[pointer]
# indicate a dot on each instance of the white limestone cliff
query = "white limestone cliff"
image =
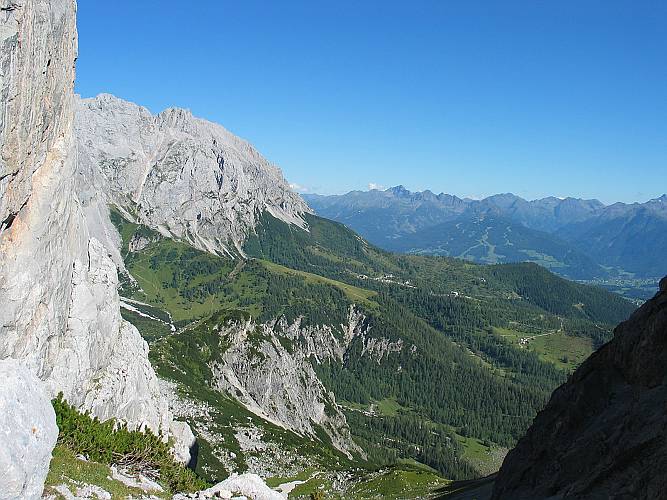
(60, 314)
(186, 177)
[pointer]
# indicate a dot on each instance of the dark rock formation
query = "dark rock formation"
(603, 433)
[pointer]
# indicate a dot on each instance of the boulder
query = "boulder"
(247, 485)
(28, 432)
(184, 443)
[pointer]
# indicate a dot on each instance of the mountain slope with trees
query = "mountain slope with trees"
(436, 377)
(578, 239)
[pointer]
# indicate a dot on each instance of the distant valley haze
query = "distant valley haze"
(577, 238)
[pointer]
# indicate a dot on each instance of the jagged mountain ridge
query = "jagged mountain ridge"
(599, 241)
(186, 177)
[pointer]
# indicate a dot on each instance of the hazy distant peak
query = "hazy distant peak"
(398, 219)
(399, 190)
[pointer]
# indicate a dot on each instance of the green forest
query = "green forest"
(455, 378)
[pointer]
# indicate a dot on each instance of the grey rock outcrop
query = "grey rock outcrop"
(187, 178)
(28, 432)
(603, 434)
(278, 383)
(237, 486)
(114, 378)
(269, 368)
(58, 286)
(184, 441)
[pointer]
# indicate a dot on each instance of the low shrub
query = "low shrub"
(111, 443)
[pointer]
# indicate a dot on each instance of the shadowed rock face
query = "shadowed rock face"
(604, 432)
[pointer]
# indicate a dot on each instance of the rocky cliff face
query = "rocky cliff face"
(603, 434)
(268, 368)
(37, 52)
(60, 308)
(186, 177)
(37, 61)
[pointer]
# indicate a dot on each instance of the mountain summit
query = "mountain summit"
(186, 177)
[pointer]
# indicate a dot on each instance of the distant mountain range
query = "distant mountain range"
(579, 239)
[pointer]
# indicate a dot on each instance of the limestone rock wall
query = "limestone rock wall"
(188, 178)
(279, 385)
(269, 368)
(60, 309)
(38, 48)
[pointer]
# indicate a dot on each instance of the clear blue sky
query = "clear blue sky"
(534, 97)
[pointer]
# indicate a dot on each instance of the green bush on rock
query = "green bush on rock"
(111, 443)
